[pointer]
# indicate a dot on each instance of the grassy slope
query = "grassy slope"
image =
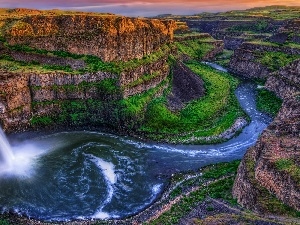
(215, 182)
(93, 63)
(268, 102)
(210, 115)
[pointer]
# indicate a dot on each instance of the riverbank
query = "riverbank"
(200, 197)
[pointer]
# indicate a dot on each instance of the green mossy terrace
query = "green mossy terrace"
(145, 114)
(207, 116)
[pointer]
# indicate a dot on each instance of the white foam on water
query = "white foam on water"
(156, 189)
(101, 215)
(108, 170)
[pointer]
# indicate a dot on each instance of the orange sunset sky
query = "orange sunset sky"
(145, 7)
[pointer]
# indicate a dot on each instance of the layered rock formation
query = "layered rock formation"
(285, 82)
(35, 98)
(245, 60)
(272, 166)
(32, 94)
(231, 30)
(109, 37)
(28, 95)
(288, 33)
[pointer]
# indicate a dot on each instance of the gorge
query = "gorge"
(99, 108)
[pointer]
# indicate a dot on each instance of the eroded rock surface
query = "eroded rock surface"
(272, 166)
(109, 37)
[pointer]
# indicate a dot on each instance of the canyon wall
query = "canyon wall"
(110, 37)
(231, 30)
(186, 86)
(271, 169)
(28, 95)
(208, 26)
(33, 99)
(245, 60)
(285, 82)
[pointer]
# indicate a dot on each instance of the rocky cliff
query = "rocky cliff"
(285, 82)
(33, 99)
(110, 37)
(271, 169)
(28, 95)
(60, 72)
(251, 59)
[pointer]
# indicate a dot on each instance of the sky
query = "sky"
(145, 7)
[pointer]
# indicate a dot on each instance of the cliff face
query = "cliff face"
(231, 30)
(31, 94)
(35, 99)
(272, 165)
(144, 77)
(245, 60)
(285, 82)
(109, 37)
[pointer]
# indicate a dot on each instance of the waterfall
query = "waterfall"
(6, 154)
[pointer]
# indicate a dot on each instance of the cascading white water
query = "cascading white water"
(6, 154)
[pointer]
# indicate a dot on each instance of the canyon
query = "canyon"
(142, 77)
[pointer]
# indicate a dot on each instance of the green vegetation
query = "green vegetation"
(9, 64)
(273, 44)
(210, 115)
(266, 200)
(275, 60)
(93, 63)
(268, 102)
(262, 13)
(216, 189)
(42, 121)
(223, 59)
(4, 222)
(196, 49)
(259, 26)
(288, 165)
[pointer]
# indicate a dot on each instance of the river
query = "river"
(84, 175)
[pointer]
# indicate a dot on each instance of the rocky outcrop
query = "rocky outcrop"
(218, 47)
(272, 166)
(285, 82)
(15, 101)
(144, 77)
(75, 64)
(109, 37)
(233, 40)
(288, 33)
(244, 61)
(208, 26)
(21, 92)
(186, 86)
(228, 30)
